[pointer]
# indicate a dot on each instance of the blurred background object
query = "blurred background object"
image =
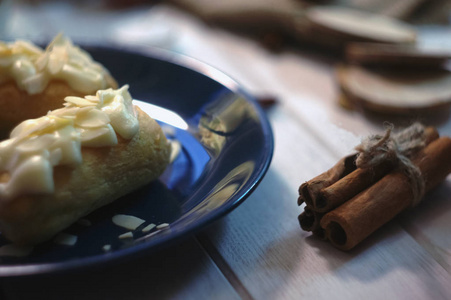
(327, 23)
(405, 33)
(403, 38)
(321, 22)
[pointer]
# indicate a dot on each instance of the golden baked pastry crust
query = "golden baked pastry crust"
(105, 175)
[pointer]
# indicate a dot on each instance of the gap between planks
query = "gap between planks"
(223, 266)
(423, 241)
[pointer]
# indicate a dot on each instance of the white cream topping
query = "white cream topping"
(37, 145)
(33, 68)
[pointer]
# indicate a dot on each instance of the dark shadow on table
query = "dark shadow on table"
(158, 276)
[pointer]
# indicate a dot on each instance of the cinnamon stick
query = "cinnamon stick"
(350, 185)
(309, 190)
(309, 220)
(353, 221)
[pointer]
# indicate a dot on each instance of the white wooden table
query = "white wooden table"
(258, 251)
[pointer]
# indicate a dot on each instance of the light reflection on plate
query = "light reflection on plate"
(226, 146)
(162, 114)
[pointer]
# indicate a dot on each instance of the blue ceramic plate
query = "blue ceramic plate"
(226, 146)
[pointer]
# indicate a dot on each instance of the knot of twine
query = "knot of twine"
(396, 148)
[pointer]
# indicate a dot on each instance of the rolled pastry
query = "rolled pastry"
(34, 81)
(62, 166)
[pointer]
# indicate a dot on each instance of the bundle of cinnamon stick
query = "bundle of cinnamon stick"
(354, 198)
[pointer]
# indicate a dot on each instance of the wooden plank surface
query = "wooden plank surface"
(259, 251)
(429, 224)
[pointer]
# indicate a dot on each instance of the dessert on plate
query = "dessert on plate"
(58, 168)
